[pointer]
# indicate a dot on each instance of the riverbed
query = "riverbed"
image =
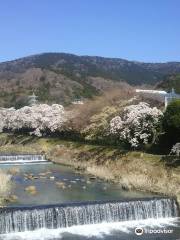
(61, 184)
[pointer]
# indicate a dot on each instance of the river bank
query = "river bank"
(133, 170)
(5, 186)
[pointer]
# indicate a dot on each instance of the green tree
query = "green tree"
(171, 122)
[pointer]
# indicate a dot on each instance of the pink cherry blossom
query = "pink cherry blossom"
(38, 118)
(137, 125)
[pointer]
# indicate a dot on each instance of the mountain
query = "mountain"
(169, 82)
(61, 77)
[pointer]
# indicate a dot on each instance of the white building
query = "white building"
(168, 97)
(151, 91)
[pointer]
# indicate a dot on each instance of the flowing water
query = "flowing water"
(22, 159)
(72, 206)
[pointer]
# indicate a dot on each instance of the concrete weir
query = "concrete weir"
(18, 159)
(21, 219)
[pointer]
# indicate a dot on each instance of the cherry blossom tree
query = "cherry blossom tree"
(137, 126)
(37, 119)
(175, 150)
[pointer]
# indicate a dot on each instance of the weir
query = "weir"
(20, 219)
(22, 158)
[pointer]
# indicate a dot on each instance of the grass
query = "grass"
(5, 186)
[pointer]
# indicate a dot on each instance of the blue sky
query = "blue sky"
(143, 30)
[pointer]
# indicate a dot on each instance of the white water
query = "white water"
(60, 216)
(93, 230)
(27, 163)
(22, 159)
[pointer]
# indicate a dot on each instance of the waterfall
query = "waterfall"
(22, 159)
(20, 219)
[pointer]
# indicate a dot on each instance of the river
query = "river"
(56, 184)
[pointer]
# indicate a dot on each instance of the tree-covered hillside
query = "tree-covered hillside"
(61, 77)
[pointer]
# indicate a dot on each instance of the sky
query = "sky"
(142, 30)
